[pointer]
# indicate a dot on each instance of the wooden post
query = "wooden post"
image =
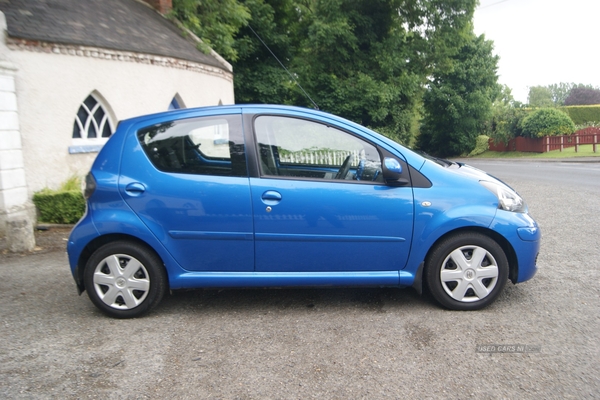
(547, 144)
(595, 141)
(561, 143)
(576, 144)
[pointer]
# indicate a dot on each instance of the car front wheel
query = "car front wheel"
(124, 280)
(466, 271)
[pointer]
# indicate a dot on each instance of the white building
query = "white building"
(69, 71)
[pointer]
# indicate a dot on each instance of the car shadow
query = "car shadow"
(376, 300)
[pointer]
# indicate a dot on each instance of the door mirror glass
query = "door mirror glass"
(392, 165)
(392, 172)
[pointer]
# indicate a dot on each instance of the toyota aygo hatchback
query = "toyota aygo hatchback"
(277, 196)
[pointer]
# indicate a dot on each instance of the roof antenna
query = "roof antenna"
(286, 70)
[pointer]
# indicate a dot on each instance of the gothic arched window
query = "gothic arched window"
(92, 126)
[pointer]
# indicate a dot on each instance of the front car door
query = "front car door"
(320, 203)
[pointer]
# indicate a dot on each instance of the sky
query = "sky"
(541, 42)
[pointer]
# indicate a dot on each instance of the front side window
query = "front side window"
(307, 149)
(205, 146)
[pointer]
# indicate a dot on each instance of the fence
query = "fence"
(549, 143)
(317, 157)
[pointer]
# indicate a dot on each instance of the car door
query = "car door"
(187, 181)
(320, 203)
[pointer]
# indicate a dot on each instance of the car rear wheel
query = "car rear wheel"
(466, 271)
(124, 279)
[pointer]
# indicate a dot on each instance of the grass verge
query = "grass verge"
(585, 150)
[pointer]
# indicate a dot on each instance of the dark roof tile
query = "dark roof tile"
(125, 25)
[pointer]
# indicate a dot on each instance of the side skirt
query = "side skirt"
(203, 279)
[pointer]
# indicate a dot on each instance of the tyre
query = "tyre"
(125, 279)
(466, 271)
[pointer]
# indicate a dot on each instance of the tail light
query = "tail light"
(90, 185)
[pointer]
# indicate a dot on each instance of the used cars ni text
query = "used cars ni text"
(278, 196)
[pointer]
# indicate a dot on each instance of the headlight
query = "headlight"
(508, 199)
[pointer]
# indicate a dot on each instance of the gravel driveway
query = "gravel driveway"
(315, 343)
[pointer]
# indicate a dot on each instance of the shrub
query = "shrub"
(547, 122)
(71, 184)
(481, 145)
(61, 206)
(505, 123)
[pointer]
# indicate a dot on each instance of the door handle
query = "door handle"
(271, 197)
(135, 189)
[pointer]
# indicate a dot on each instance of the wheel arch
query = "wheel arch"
(513, 263)
(100, 241)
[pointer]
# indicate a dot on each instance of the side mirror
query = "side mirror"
(392, 172)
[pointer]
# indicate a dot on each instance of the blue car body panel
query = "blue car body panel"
(257, 231)
(365, 227)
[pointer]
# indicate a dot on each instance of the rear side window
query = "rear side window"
(204, 146)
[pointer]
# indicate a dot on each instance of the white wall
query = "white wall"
(51, 86)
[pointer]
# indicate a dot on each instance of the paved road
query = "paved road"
(338, 343)
(576, 174)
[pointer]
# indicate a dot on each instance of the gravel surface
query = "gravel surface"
(315, 343)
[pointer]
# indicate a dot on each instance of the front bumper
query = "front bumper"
(524, 235)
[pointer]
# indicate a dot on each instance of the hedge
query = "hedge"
(582, 115)
(59, 207)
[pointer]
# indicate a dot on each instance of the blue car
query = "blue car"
(278, 196)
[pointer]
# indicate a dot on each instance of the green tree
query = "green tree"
(436, 30)
(459, 102)
(214, 21)
(547, 122)
(366, 60)
(356, 63)
(259, 78)
(507, 114)
(557, 94)
(560, 92)
(540, 96)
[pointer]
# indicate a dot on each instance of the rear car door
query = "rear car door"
(187, 181)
